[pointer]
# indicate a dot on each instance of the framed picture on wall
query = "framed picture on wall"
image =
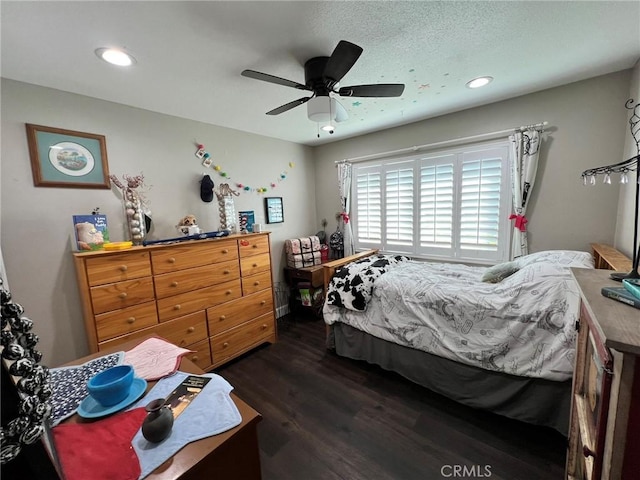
(273, 207)
(66, 158)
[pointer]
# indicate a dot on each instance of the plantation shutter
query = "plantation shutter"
(448, 205)
(480, 201)
(399, 207)
(437, 205)
(368, 206)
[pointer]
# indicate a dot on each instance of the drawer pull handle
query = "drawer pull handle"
(177, 307)
(222, 318)
(256, 283)
(123, 295)
(191, 329)
(123, 268)
(130, 320)
(255, 245)
(255, 265)
(264, 326)
(225, 344)
(194, 358)
(225, 251)
(226, 272)
(262, 303)
(174, 284)
(587, 452)
(172, 260)
(228, 292)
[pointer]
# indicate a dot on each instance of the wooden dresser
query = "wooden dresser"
(604, 433)
(211, 296)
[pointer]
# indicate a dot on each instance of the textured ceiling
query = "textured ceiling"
(190, 54)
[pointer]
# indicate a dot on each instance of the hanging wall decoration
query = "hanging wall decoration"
(137, 219)
(207, 161)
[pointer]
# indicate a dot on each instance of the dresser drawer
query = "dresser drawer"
(185, 303)
(255, 283)
(125, 321)
(190, 279)
(190, 255)
(184, 331)
(231, 314)
(201, 355)
(255, 264)
(116, 268)
(241, 338)
(121, 294)
(253, 245)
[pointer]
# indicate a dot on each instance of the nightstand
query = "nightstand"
(308, 278)
(604, 431)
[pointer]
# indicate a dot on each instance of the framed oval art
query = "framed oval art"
(66, 158)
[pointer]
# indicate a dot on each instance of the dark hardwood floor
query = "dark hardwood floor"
(327, 417)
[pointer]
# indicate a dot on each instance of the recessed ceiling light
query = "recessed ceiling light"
(479, 82)
(115, 56)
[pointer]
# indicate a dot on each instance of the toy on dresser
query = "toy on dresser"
(188, 225)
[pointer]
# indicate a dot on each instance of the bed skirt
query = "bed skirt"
(532, 400)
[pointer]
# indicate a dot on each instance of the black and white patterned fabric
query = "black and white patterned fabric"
(352, 285)
(70, 385)
(523, 325)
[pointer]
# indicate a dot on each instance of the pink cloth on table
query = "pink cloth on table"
(154, 358)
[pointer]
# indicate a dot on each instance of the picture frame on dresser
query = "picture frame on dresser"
(67, 158)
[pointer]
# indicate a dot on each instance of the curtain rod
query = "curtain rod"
(416, 148)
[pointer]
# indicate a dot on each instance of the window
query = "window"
(449, 204)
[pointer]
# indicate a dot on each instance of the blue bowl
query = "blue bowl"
(112, 385)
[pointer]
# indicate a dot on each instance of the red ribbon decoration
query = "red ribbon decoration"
(345, 217)
(521, 222)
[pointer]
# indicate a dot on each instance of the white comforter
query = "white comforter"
(524, 325)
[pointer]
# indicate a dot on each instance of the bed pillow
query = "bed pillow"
(499, 272)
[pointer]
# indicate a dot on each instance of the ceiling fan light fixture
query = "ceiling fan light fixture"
(115, 56)
(321, 109)
(479, 82)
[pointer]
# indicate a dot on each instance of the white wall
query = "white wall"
(586, 129)
(626, 209)
(37, 234)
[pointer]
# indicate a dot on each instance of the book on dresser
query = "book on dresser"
(621, 294)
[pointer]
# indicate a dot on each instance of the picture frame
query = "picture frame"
(274, 209)
(67, 158)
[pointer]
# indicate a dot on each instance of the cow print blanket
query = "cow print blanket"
(352, 285)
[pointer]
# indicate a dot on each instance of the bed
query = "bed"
(500, 338)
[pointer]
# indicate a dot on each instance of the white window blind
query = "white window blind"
(448, 205)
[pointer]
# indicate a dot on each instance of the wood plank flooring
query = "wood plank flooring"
(327, 417)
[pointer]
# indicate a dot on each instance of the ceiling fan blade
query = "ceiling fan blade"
(341, 113)
(265, 77)
(288, 106)
(376, 90)
(344, 56)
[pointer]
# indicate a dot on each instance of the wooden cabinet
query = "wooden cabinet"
(604, 433)
(214, 297)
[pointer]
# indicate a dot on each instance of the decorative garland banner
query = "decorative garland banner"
(207, 161)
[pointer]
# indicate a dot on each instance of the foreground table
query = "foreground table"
(232, 454)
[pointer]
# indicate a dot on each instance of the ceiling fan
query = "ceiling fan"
(321, 76)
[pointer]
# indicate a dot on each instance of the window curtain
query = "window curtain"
(525, 151)
(344, 188)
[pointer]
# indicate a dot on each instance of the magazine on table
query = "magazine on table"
(185, 393)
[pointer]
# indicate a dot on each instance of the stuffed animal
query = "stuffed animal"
(186, 222)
